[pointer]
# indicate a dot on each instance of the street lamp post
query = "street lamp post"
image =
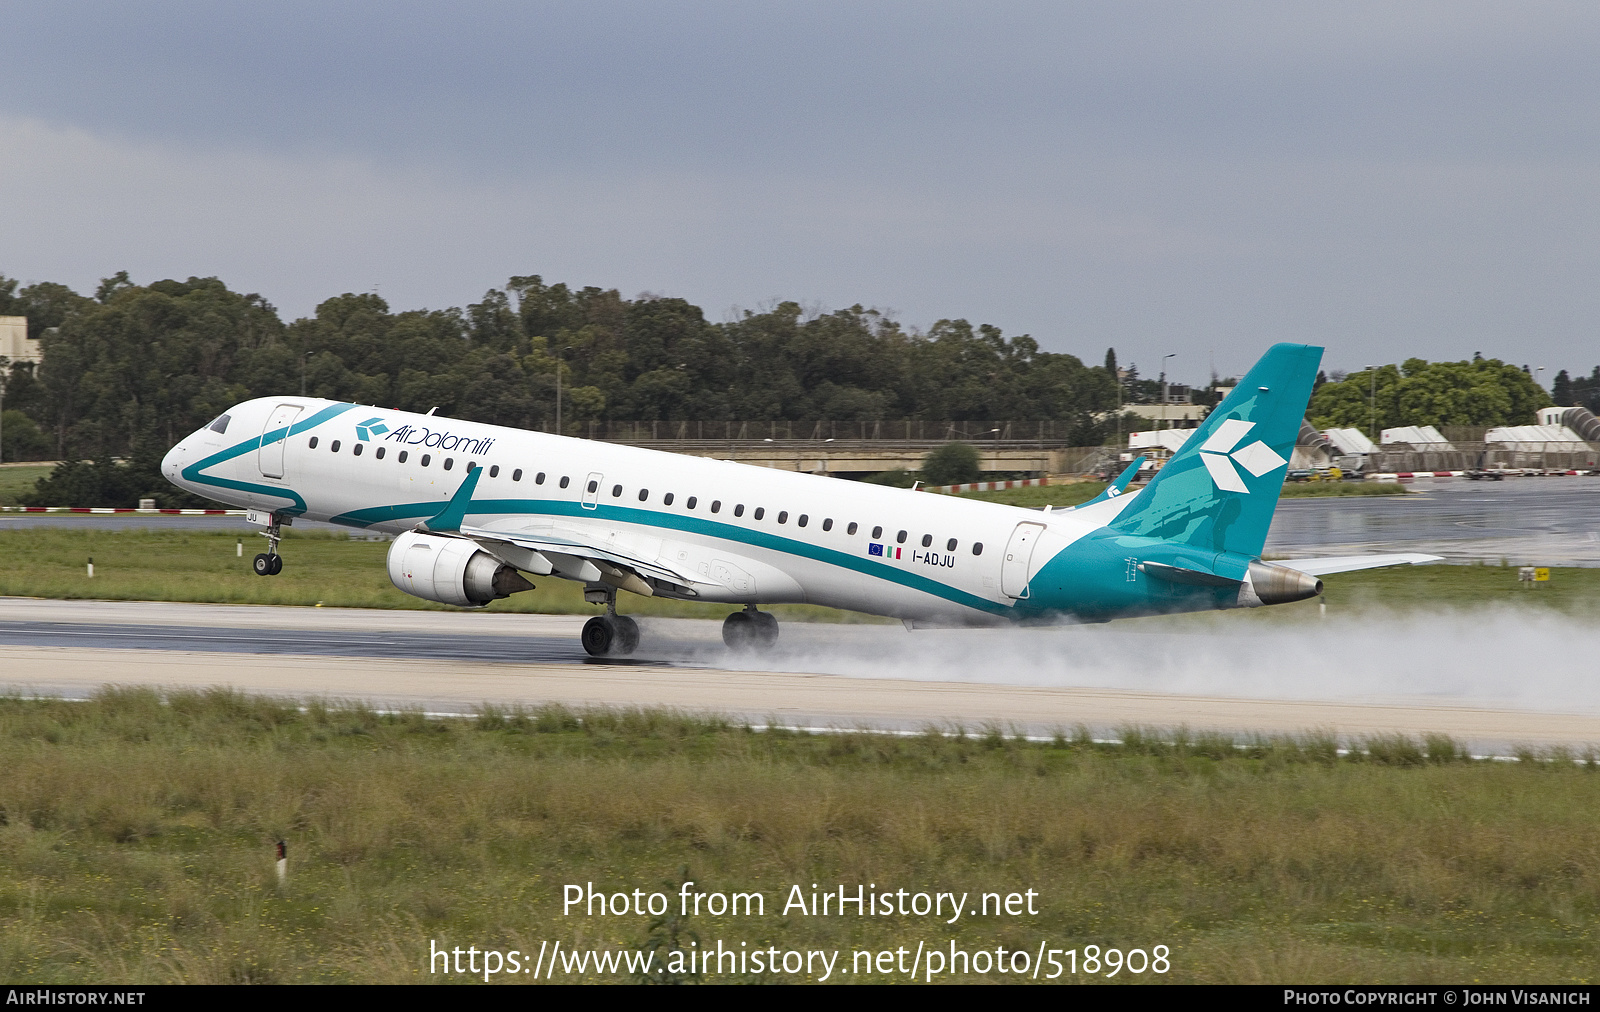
(1164, 385)
(561, 358)
(5, 374)
(303, 357)
(1372, 398)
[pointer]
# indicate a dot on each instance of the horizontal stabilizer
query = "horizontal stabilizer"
(1351, 563)
(1189, 577)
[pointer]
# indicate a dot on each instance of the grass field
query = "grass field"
(14, 481)
(336, 571)
(136, 844)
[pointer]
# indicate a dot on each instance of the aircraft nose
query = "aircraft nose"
(172, 463)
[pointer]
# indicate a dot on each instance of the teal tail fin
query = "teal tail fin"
(1219, 492)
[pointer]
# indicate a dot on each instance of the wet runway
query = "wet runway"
(322, 643)
(1526, 521)
(1465, 674)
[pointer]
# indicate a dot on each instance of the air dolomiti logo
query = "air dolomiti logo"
(421, 435)
(1219, 455)
(369, 428)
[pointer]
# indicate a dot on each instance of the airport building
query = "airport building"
(15, 344)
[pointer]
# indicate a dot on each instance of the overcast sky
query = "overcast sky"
(1388, 179)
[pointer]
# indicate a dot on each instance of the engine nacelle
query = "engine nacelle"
(1270, 584)
(450, 571)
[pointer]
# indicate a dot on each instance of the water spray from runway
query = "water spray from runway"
(1502, 657)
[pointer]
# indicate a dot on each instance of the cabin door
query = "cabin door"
(1019, 553)
(274, 437)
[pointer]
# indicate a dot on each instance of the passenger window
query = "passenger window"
(950, 545)
(426, 457)
(313, 443)
(379, 453)
(761, 511)
(538, 479)
(356, 449)
(616, 491)
(783, 516)
(802, 520)
(335, 447)
(927, 539)
(644, 494)
(516, 475)
(827, 524)
(738, 510)
(877, 532)
(494, 471)
(449, 462)
(592, 485)
(403, 455)
(692, 501)
(565, 480)
(472, 465)
(977, 548)
(900, 538)
(716, 505)
(851, 529)
(666, 500)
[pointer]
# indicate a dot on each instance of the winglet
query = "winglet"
(1117, 487)
(448, 520)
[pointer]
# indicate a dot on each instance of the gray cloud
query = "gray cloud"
(1391, 181)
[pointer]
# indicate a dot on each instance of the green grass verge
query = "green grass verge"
(15, 481)
(336, 571)
(136, 844)
(1322, 489)
(328, 569)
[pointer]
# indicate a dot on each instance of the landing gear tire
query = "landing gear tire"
(610, 636)
(750, 630)
(277, 565)
(262, 564)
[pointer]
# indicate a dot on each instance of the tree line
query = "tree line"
(133, 368)
(1480, 392)
(130, 369)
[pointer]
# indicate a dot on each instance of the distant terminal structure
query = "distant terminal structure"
(15, 344)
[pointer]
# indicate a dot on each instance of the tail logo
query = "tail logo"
(369, 428)
(1219, 455)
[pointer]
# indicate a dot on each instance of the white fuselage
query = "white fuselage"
(739, 533)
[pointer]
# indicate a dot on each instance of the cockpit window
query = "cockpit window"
(220, 425)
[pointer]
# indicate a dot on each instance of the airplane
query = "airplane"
(476, 509)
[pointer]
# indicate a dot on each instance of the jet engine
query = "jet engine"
(1270, 584)
(450, 571)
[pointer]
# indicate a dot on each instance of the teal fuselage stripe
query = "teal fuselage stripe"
(196, 472)
(688, 525)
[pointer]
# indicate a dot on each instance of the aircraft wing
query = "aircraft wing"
(572, 544)
(1350, 563)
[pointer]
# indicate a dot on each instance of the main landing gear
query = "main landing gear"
(750, 629)
(270, 563)
(608, 635)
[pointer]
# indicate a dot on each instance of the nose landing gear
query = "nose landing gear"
(270, 563)
(750, 630)
(608, 635)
